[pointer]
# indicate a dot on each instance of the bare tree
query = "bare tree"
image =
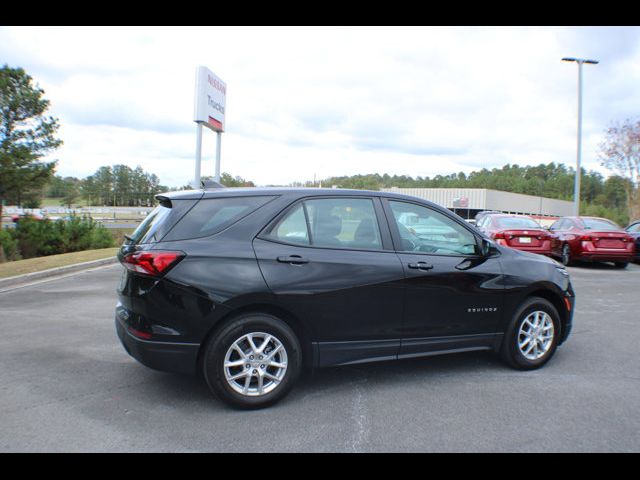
(620, 153)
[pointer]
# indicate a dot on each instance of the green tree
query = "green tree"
(620, 153)
(71, 194)
(26, 135)
(228, 180)
(121, 185)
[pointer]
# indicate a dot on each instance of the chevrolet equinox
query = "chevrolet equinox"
(248, 286)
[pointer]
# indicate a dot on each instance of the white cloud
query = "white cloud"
(329, 101)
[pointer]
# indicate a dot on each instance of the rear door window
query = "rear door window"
(212, 215)
(331, 223)
(293, 227)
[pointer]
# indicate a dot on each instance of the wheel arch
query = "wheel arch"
(556, 300)
(304, 336)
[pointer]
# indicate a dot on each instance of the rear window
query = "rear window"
(159, 221)
(516, 222)
(212, 215)
(599, 224)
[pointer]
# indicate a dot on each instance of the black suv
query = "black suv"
(248, 286)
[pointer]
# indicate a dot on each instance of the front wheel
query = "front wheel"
(253, 362)
(532, 336)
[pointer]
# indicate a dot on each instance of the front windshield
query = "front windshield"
(516, 223)
(599, 224)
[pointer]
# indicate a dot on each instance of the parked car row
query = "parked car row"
(568, 239)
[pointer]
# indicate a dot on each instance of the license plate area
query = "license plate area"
(610, 243)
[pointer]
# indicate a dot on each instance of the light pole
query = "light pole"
(576, 188)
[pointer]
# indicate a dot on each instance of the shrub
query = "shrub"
(101, 238)
(8, 246)
(36, 238)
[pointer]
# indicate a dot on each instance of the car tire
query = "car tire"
(267, 382)
(514, 346)
(565, 256)
(621, 265)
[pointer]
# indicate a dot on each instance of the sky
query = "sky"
(312, 101)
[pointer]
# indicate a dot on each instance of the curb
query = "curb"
(53, 272)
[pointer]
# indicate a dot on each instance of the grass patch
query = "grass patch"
(20, 267)
(119, 233)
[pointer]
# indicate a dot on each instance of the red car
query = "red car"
(33, 215)
(517, 231)
(592, 239)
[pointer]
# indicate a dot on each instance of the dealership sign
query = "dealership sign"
(211, 95)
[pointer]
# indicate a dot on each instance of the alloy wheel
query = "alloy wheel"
(535, 336)
(255, 364)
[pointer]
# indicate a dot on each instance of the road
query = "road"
(66, 384)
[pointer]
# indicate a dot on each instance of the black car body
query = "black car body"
(633, 229)
(351, 273)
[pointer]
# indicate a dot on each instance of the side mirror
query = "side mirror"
(485, 247)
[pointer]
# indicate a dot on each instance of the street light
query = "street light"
(576, 188)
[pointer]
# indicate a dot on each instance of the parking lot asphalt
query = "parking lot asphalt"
(66, 384)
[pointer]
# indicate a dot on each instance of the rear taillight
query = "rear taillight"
(153, 263)
(500, 239)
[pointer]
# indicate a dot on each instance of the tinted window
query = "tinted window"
(293, 227)
(425, 230)
(332, 223)
(160, 221)
(562, 224)
(599, 224)
(485, 222)
(343, 223)
(211, 215)
(516, 222)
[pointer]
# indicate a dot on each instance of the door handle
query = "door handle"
(293, 259)
(420, 266)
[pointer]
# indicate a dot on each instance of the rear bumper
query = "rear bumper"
(605, 257)
(164, 356)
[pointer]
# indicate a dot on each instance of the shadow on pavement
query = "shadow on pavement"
(175, 388)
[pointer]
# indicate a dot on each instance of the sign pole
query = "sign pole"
(198, 155)
(218, 147)
(209, 111)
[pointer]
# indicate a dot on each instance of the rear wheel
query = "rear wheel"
(253, 362)
(532, 336)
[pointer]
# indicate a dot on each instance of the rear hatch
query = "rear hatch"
(159, 222)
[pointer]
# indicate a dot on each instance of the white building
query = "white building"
(466, 202)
